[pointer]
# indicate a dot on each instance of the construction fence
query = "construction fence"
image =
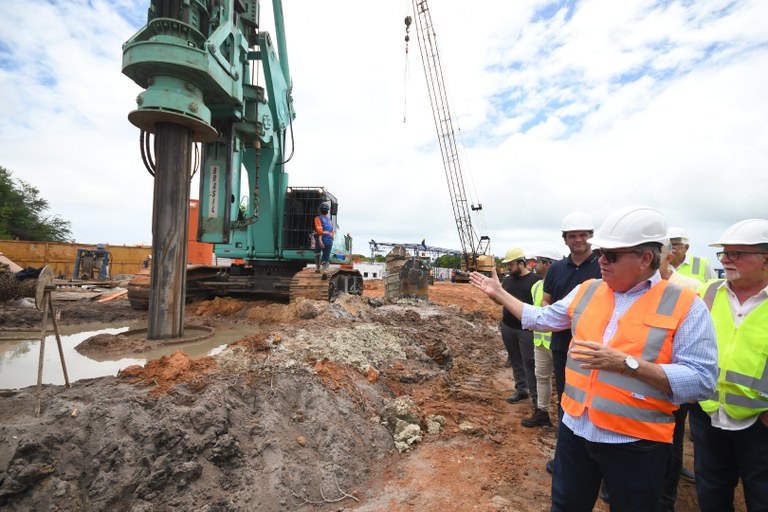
(61, 256)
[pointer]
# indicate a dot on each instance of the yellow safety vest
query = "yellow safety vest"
(697, 269)
(540, 338)
(742, 353)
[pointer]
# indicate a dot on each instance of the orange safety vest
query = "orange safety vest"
(617, 402)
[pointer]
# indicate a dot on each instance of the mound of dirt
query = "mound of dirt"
(360, 404)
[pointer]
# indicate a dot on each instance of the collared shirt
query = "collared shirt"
(562, 277)
(692, 373)
(720, 418)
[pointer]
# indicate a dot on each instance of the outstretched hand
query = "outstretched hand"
(488, 285)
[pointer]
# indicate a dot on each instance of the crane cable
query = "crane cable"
(408, 21)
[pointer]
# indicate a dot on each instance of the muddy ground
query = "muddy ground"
(357, 405)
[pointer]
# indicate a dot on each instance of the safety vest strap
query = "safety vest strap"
(709, 295)
(695, 265)
(634, 413)
(743, 401)
(758, 384)
(575, 393)
(592, 286)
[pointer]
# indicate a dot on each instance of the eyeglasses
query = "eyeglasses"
(735, 255)
(543, 260)
(612, 255)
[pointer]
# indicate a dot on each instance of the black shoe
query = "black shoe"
(517, 397)
(550, 466)
(540, 418)
(687, 474)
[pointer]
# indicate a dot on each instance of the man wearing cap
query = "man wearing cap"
(730, 431)
(542, 354)
(518, 341)
(641, 346)
(686, 264)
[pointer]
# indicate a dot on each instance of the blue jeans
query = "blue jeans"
(325, 252)
(633, 473)
(722, 456)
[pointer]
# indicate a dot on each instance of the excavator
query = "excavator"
(214, 76)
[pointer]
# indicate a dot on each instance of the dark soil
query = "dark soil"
(356, 405)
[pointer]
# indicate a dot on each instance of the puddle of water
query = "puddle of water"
(19, 359)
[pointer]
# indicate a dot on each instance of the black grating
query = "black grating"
(302, 205)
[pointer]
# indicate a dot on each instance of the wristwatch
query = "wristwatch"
(630, 366)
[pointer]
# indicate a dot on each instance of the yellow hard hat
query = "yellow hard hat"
(514, 254)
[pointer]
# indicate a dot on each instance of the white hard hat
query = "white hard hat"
(746, 232)
(630, 226)
(577, 221)
(676, 232)
(548, 251)
(514, 254)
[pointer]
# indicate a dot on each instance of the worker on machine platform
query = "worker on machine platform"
(323, 238)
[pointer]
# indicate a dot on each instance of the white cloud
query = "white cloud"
(608, 104)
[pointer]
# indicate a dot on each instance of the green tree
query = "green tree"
(23, 213)
(447, 261)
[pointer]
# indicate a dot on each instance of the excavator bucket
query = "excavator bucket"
(406, 276)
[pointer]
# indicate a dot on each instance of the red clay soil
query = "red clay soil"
(255, 430)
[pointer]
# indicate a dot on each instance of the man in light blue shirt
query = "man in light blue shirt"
(621, 389)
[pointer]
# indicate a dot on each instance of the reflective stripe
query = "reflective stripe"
(628, 411)
(535, 290)
(709, 295)
(657, 335)
(743, 401)
(631, 384)
(575, 393)
(573, 365)
(541, 337)
(578, 310)
(758, 384)
(695, 265)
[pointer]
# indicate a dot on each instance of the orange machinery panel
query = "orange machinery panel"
(197, 253)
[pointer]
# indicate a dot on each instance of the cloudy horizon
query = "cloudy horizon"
(573, 105)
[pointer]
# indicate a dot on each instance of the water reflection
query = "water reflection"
(19, 359)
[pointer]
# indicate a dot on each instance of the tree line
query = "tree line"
(24, 214)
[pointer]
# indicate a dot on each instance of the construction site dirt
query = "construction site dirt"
(361, 404)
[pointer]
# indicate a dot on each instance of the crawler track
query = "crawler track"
(310, 284)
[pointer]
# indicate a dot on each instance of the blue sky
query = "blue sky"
(589, 105)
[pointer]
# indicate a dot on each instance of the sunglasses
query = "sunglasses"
(735, 255)
(612, 255)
